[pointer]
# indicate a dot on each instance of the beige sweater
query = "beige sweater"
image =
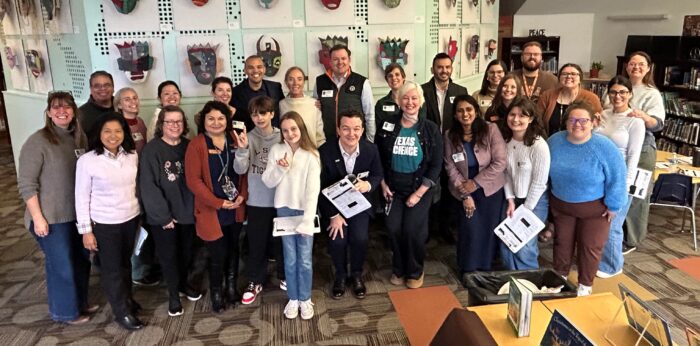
(306, 107)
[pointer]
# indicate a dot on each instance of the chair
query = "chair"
(676, 191)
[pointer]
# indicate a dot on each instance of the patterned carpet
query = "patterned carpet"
(24, 318)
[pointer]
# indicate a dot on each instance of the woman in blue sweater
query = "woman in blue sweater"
(588, 188)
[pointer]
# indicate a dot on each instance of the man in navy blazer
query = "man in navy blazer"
(350, 154)
(254, 86)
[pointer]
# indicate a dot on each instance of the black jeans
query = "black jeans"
(174, 251)
(259, 231)
(355, 236)
(223, 254)
(115, 245)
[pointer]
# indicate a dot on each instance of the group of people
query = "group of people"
(423, 154)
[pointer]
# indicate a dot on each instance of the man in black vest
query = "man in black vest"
(254, 86)
(440, 92)
(340, 90)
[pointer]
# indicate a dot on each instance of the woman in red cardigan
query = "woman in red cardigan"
(219, 198)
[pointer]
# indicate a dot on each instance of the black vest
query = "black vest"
(334, 102)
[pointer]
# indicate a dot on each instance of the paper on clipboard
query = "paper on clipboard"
(287, 225)
(140, 238)
(346, 199)
(518, 230)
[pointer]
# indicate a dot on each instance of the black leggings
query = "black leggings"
(174, 251)
(223, 254)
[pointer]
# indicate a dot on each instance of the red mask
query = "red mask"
(331, 4)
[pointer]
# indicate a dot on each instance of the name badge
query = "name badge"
(387, 126)
(327, 93)
(137, 136)
(452, 99)
(363, 175)
(485, 103)
(79, 152)
(389, 108)
(458, 157)
(213, 152)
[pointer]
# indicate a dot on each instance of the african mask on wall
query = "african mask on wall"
(203, 62)
(266, 4)
(26, 9)
(34, 62)
(125, 6)
(451, 48)
(52, 8)
(135, 60)
(200, 3)
(331, 4)
(491, 46)
(392, 3)
(10, 57)
(324, 54)
(4, 6)
(272, 57)
(475, 3)
(392, 51)
(473, 48)
(451, 3)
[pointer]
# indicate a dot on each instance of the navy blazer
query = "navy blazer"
(242, 94)
(333, 169)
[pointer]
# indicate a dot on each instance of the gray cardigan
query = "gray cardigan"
(48, 170)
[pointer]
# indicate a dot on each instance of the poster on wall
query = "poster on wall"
(489, 11)
(691, 26)
(471, 11)
(30, 18)
(469, 51)
(58, 18)
(488, 41)
(318, 45)
(9, 19)
(391, 11)
(390, 44)
(448, 42)
(201, 59)
(130, 15)
(276, 49)
(137, 63)
(329, 12)
(189, 16)
(447, 12)
(253, 11)
(36, 58)
(13, 57)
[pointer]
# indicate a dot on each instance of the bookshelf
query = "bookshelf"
(597, 86)
(511, 51)
(676, 73)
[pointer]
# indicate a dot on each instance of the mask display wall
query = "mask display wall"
(473, 47)
(267, 3)
(34, 62)
(125, 6)
(52, 8)
(451, 48)
(324, 54)
(272, 57)
(203, 62)
(135, 60)
(10, 57)
(392, 51)
(392, 3)
(331, 4)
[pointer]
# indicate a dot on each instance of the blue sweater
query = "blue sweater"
(587, 172)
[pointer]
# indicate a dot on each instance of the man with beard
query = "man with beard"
(254, 86)
(439, 92)
(534, 81)
(100, 101)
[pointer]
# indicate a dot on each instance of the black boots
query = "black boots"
(217, 301)
(232, 295)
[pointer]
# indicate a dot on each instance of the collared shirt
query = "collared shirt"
(440, 95)
(349, 158)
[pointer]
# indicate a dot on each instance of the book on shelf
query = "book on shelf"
(519, 307)
(560, 331)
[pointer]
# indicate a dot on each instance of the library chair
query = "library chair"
(676, 191)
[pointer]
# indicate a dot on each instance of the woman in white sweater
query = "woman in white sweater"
(304, 105)
(294, 169)
(527, 170)
(628, 135)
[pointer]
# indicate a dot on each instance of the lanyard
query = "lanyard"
(224, 165)
(529, 89)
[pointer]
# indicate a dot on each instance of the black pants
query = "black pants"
(115, 245)
(174, 251)
(355, 236)
(259, 231)
(223, 254)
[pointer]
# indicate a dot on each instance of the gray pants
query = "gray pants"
(638, 215)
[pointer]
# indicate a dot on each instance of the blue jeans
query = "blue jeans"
(526, 257)
(611, 260)
(297, 260)
(67, 270)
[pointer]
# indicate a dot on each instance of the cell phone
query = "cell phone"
(238, 126)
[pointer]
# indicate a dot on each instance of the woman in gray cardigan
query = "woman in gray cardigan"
(46, 182)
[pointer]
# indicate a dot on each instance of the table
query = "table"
(665, 156)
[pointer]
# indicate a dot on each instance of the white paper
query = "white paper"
(287, 225)
(349, 201)
(518, 230)
(140, 238)
(640, 185)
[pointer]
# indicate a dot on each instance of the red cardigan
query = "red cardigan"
(198, 179)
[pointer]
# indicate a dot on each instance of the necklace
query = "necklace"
(529, 89)
(563, 106)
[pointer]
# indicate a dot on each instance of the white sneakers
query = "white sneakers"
(291, 311)
(604, 275)
(584, 290)
(283, 285)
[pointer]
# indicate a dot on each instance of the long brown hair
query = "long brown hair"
(305, 141)
(648, 79)
(49, 129)
(534, 129)
(498, 99)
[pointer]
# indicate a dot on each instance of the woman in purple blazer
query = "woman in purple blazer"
(475, 161)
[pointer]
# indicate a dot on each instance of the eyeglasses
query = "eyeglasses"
(172, 122)
(494, 73)
(634, 64)
(102, 86)
(531, 55)
(570, 74)
(580, 121)
(622, 93)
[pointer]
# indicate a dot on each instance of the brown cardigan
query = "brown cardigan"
(199, 181)
(548, 100)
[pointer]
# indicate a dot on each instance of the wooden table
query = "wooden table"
(665, 156)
